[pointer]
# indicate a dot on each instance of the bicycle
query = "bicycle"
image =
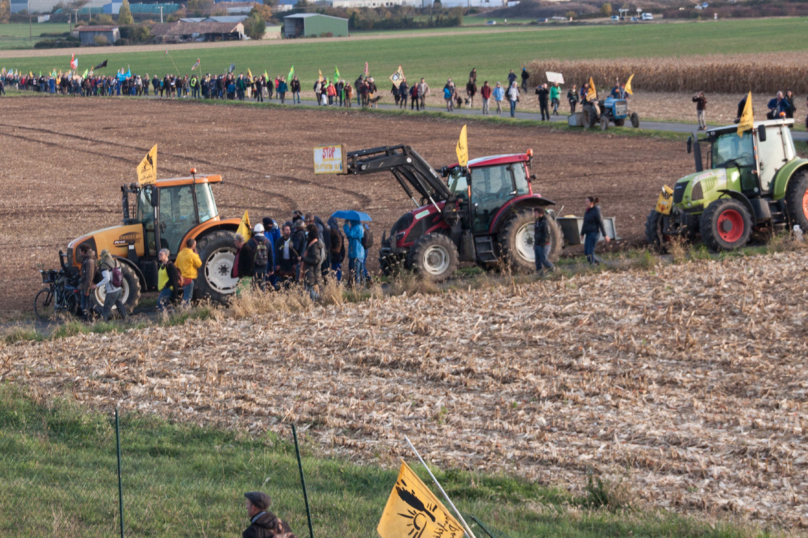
(60, 296)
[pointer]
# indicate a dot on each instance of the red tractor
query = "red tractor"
(481, 213)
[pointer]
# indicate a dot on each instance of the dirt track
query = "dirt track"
(65, 159)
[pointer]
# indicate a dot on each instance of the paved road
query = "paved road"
(651, 125)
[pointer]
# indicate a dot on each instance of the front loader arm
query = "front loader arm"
(406, 165)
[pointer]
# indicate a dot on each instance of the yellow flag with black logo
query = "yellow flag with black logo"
(462, 148)
(147, 169)
(747, 118)
(412, 511)
(244, 228)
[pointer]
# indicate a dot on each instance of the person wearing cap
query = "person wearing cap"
(264, 524)
(541, 241)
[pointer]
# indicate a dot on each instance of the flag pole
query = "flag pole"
(448, 500)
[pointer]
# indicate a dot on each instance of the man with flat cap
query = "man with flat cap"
(264, 524)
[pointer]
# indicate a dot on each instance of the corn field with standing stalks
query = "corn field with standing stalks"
(758, 73)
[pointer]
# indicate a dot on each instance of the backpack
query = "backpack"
(117, 275)
(367, 239)
(322, 253)
(261, 254)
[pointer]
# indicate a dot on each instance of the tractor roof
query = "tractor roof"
(493, 160)
(767, 123)
(177, 181)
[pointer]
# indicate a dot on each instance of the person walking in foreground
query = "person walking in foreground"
(525, 76)
(112, 280)
(513, 97)
(543, 94)
(187, 263)
(449, 95)
(701, 108)
(499, 94)
(541, 241)
(592, 227)
(356, 252)
(555, 98)
(264, 524)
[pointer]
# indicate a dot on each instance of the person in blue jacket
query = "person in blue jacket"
(356, 252)
(777, 106)
(592, 227)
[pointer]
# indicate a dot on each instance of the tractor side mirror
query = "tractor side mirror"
(689, 145)
(761, 133)
(532, 178)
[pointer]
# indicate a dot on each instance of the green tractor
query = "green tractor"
(750, 182)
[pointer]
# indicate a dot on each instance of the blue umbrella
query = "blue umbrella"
(352, 215)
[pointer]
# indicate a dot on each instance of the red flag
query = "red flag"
(74, 63)
(366, 69)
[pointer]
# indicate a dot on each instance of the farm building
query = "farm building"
(376, 3)
(313, 25)
(179, 32)
(87, 34)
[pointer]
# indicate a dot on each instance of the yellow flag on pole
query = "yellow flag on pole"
(592, 94)
(747, 118)
(147, 169)
(244, 228)
(320, 78)
(412, 511)
(396, 77)
(628, 85)
(249, 73)
(462, 148)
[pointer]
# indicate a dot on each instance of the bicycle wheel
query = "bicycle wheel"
(44, 304)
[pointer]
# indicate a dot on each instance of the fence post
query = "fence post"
(120, 484)
(302, 481)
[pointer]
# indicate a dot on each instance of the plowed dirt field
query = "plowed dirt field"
(64, 160)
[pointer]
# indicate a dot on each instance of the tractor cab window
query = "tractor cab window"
(459, 184)
(492, 187)
(177, 215)
(145, 215)
(205, 202)
(730, 150)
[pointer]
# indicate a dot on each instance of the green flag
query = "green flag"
(291, 73)
(336, 74)
(40, 73)
(85, 73)
(266, 76)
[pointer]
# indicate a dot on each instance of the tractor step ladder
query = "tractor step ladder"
(485, 249)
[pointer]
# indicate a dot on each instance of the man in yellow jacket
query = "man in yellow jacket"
(187, 263)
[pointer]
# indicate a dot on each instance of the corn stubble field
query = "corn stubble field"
(684, 384)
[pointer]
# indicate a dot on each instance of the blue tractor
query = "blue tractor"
(609, 110)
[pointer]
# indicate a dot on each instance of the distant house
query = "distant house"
(183, 32)
(87, 34)
(314, 25)
(227, 18)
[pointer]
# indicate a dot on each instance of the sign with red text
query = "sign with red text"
(330, 160)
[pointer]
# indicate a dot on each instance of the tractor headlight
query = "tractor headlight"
(697, 193)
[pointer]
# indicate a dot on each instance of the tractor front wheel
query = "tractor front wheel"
(130, 294)
(604, 123)
(635, 120)
(516, 241)
(218, 253)
(797, 200)
(725, 225)
(434, 257)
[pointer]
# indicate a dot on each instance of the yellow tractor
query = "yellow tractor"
(164, 215)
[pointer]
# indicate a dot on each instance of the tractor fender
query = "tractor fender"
(520, 202)
(784, 175)
(741, 198)
(135, 269)
(211, 225)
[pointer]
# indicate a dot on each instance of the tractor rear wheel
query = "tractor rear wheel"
(130, 296)
(725, 225)
(589, 117)
(434, 257)
(516, 241)
(797, 200)
(635, 120)
(217, 252)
